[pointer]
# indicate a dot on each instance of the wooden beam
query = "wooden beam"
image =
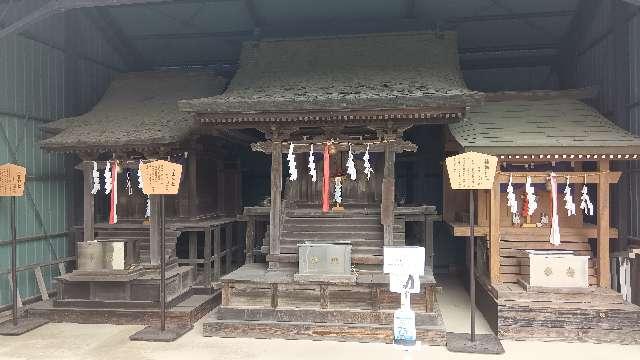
(520, 177)
(494, 234)
(116, 38)
(276, 202)
(88, 201)
(511, 16)
(357, 146)
(604, 276)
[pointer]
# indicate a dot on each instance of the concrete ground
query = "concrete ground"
(82, 342)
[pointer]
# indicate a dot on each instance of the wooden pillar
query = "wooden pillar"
(494, 233)
(388, 193)
(155, 230)
(250, 235)
(207, 256)
(604, 276)
(193, 251)
(192, 168)
(276, 201)
(216, 252)
(428, 241)
(221, 190)
(88, 201)
(228, 245)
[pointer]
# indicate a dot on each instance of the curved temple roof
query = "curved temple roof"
(138, 110)
(543, 127)
(410, 70)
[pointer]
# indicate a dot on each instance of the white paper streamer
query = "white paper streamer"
(107, 179)
(554, 237)
(96, 179)
(568, 200)
(293, 172)
(337, 191)
(312, 165)
(511, 198)
(531, 197)
(585, 201)
(147, 212)
(351, 166)
(367, 165)
(140, 175)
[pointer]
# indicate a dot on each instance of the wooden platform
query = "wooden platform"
(187, 312)
(271, 304)
(593, 314)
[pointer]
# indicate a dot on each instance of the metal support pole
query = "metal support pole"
(472, 265)
(14, 250)
(163, 295)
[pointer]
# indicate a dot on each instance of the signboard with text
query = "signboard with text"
(160, 177)
(471, 170)
(12, 180)
(403, 260)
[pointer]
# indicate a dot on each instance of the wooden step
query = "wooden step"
(331, 235)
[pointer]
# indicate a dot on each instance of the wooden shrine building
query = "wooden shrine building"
(327, 96)
(138, 120)
(534, 135)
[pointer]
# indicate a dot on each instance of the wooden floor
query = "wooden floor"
(588, 315)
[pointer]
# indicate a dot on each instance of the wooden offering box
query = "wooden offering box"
(557, 269)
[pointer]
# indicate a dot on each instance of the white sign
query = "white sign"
(404, 325)
(401, 283)
(403, 260)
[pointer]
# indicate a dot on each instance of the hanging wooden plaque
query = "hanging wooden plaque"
(160, 177)
(12, 179)
(471, 170)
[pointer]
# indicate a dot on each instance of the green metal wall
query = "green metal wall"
(37, 85)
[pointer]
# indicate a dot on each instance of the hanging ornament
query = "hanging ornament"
(96, 179)
(325, 178)
(351, 166)
(585, 201)
(554, 237)
(113, 211)
(568, 200)
(108, 181)
(367, 165)
(293, 172)
(532, 205)
(147, 212)
(140, 175)
(337, 190)
(515, 219)
(129, 189)
(512, 203)
(312, 165)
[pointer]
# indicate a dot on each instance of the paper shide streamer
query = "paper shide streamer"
(367, 165)
(351, 166)
(337, 190)
(511, 198)
(569, 205)
(108, 181)
(312, 165)
(293, 172)
(585, 201)
(554, 237)
(531, 197)
(96, 179)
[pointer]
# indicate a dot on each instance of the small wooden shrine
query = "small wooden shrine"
(117, 278)
(544, 255)
(338, 107)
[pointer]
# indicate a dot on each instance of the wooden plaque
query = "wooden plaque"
(471, 170)
(160, 177)
(12, 179)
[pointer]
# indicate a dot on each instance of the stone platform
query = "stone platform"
(259, 303)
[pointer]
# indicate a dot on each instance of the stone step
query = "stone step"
(331, 235)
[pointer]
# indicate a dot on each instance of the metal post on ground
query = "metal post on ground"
(472, 264)
(161, 178)
(16, 326)
(163, 263)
